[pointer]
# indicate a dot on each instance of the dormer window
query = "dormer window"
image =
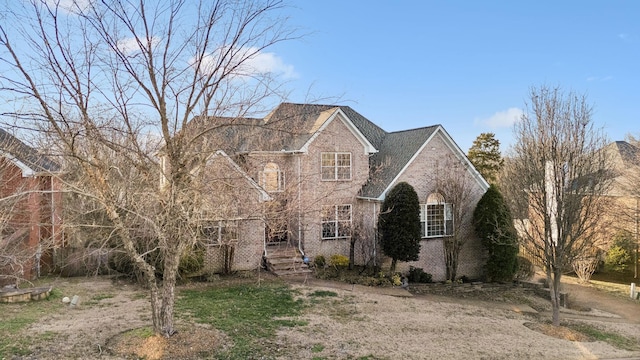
(336, 166)
(271, 178)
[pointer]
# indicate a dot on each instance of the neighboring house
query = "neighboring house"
(327, 170)
(30, 210)
(619, 206)
(624, 193)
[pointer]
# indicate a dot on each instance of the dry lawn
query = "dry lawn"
(353, 324)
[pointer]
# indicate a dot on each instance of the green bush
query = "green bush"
(620, 255)
(617, 259)
(525, 270)
(191, 262)
(493, 224)
(319, 261)
(339, 261)
(417, 275)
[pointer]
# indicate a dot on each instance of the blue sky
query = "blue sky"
(467, 65)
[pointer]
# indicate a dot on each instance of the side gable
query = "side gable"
(331, 115)
(30, 162)
(400, 150)
(264, 196)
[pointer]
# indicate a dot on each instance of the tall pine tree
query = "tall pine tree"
(485, 156)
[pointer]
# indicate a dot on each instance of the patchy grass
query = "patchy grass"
(95, 300)
(18, 316)
(613, 339)
(249, 314)
(323, 293)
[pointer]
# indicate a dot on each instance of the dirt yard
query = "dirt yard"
(360, 322)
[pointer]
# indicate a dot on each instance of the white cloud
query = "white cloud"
(502, 119)
(130, 45)
(68, 6)
(268, 62)
(254, 63)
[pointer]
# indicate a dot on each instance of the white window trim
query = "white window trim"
(447, 230)
(218, 226)
(280, 179)
(336, 222)
(335, 166)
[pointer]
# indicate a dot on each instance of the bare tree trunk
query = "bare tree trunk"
(392, 269)
(554, 286)
(558, 175)
(352, 251)
(171, 264)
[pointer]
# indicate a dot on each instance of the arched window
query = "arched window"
(271, 178)
(436, 217)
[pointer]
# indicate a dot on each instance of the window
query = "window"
(220, 232)
(271, 178)
(436, 217)
(336, 221)
(336, 166)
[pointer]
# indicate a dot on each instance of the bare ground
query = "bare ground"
(381, 323)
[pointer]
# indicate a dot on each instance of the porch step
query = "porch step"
(286, 262)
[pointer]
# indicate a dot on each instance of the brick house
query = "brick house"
(30, 210)
(617, 208)
(622, 196)
(326, 170)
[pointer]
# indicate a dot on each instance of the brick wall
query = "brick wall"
(336, 137)
(422, 174)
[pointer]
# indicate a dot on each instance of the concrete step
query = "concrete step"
(287, 266)
(292, 272)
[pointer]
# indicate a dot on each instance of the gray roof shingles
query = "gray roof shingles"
(290, 126)
(393, 155)
(395, 149)
(26, 154)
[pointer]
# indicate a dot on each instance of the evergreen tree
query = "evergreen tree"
(399, 224)
(494, 226)
(485, 156)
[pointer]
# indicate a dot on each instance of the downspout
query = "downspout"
(300, 208)
(264, 232)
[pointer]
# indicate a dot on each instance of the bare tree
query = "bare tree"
(557, 174)
(455, 184)
(101, 77)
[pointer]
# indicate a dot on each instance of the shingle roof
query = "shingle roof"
(290, 126)
(394, 153)
(395, 149)
(630, 154)
(25, 154)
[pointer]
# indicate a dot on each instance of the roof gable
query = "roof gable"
(264, 196)
(25, 157)
(325, 118)
(398, 152)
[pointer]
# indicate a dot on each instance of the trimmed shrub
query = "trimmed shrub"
(319, 261)
(399, 224)
(417, 275)
(339, 261)
(493, 224)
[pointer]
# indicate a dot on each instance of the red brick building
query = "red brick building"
(30, 210)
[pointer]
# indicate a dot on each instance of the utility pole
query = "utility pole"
(635, 267)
